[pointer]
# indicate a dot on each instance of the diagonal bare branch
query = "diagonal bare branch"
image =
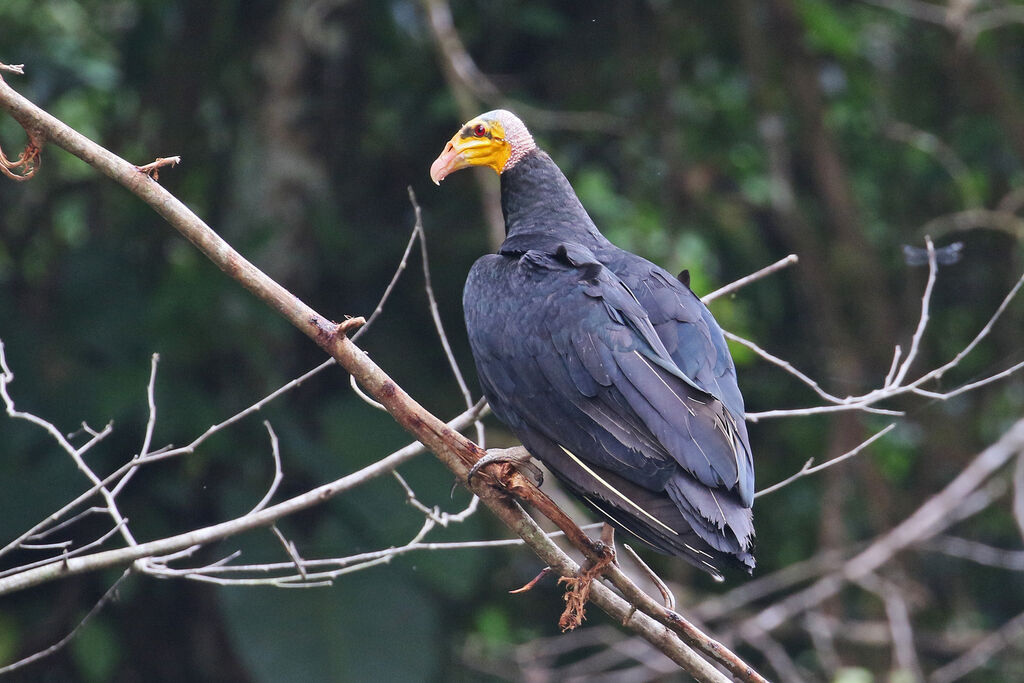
(931, 518)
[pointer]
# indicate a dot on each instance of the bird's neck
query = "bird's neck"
(537, 199)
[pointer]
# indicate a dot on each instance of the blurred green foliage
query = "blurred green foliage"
(301, 123)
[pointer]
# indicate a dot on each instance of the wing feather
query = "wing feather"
(570, 359)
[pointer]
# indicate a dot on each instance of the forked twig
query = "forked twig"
(807, 469)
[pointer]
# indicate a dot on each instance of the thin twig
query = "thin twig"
(275, 453)
(970, 386)
(151, 457)
(66, 554)
(753, 277)
(922, 323)
(6, 377)
(323, 568)
(60, 545)
(100, 604)
(435, 315)
(895, 383)
(358, 390)
(807, 469)
(666, 594)
(147, 440)
(66, 523)
(434, 514)
(237, 417)
(223, 567)
(896, 353)
(402, 265)
(860, 403)
(292, 551)
(938, 372)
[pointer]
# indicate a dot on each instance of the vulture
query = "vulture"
(607, 368)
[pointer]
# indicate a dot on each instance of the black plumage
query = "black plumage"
(612, 372)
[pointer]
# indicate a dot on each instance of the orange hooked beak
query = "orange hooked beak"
(450, 161)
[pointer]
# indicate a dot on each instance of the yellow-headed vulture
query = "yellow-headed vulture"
(606, 367)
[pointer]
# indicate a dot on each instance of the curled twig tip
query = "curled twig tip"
(27, 163)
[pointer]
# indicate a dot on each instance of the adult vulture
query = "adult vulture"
(606, 367)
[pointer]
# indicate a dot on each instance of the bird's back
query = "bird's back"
(569, 360)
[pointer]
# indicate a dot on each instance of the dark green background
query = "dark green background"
(301, 124)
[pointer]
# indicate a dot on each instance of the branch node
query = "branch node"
(348, 324)
(152, 169)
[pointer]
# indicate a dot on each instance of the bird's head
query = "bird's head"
(497, 139)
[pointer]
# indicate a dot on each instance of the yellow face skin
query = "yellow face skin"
(480, 142)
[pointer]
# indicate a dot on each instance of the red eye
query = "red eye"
(479, 130)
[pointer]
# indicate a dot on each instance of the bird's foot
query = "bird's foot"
(577, 591)
(518, 457)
